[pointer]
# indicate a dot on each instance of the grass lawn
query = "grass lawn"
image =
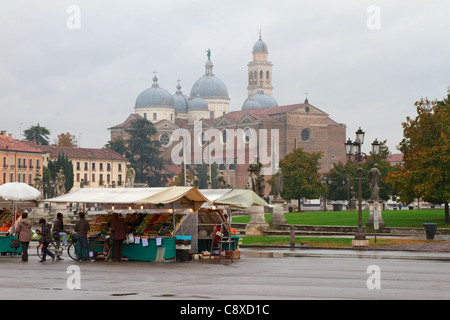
(324, 242)
(393, 218)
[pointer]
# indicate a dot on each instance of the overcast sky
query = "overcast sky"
(365, 63)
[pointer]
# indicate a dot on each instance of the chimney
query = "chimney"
(10, 138)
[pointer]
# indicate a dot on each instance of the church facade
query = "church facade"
(260, 123)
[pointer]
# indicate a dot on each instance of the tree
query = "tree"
(66, 165)
(66, 140)
(144, 153)
(117, 144)
(37, 134)
(341, 179)
(426, 155)
(301, 175)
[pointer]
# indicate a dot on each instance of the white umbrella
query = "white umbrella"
(18, 191)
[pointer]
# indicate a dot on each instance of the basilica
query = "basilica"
(208, 104)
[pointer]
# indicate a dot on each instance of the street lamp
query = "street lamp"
(353, 149)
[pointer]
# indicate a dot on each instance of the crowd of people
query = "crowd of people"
(58, 235)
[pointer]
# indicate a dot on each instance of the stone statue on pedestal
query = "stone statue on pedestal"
(130, 176)
(374, 178)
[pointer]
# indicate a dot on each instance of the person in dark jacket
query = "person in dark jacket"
(81, 228)
(119, 231)
(23, 232)
(58, 233)
(47, 239)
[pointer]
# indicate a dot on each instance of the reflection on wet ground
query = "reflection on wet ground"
(325, 253)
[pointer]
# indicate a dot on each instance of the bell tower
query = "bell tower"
(260, 69)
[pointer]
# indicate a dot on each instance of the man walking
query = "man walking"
(81, 228)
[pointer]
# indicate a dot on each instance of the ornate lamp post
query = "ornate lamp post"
(353, 149)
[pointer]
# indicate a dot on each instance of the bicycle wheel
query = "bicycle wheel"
(51, 248)
(71, 251)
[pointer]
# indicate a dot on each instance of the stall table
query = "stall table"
(5, 245)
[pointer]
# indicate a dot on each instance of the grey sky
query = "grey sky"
(84, 81)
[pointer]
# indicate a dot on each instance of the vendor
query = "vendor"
(119, 232)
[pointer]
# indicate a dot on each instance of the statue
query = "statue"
(60, 183)
(39, 185)
(374, 178)
(208, 53)
(220, 181)
(256, 181)
(130, 176)
(277, 185)
(196, 182)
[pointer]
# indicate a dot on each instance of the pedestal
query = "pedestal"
(360, 243)
(375, 210)
(277, 214)
(257, 225)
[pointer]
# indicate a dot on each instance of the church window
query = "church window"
(224, 136)
(247, 135)
(267, 76)
(306, 134)
(261, 75)
(165, 139)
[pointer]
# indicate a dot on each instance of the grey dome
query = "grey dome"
(265, 100)
(260, 46)
(251, 104)
(180, 100)
(155, 97)
(198, 104)
(209, 86)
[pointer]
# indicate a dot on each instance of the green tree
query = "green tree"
(66, 165)
(340, 180)
(144, 153)
(37, 134)
(301, 175)
(117, 144)
(426, 155)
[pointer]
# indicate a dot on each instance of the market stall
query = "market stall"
(15, 193)
(153, 216)
(215, 235)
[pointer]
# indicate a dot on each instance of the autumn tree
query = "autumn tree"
(66, 140)
(301, 175)
(426, 155)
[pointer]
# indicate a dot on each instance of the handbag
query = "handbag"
(15, 244)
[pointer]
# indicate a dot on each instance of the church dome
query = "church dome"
(180, 100)
(250, 104)
(198, 104)
(260, 46)
(209, 86)
(155, 97)
(264, 100)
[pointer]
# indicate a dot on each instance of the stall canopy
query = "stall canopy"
(132, 196)
(238, 198)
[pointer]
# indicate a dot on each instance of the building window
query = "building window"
(78, 166)
(93, 165)
(4, 163)
(38, 164)
(93, 177)
(267, 76)
(247, 135)
(108, 167)
(78, 177)
(306, 134)
(165, 139)
(119, 167)
(224, 136)
(86, 168)
(154, 116)
(101, 166)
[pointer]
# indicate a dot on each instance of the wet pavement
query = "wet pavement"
(264, 274)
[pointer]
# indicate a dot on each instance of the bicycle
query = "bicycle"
(70, 247)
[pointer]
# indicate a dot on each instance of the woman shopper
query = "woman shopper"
(23, 233)
(46, 238)
(119, 231)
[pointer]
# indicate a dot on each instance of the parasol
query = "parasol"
(18, 191)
